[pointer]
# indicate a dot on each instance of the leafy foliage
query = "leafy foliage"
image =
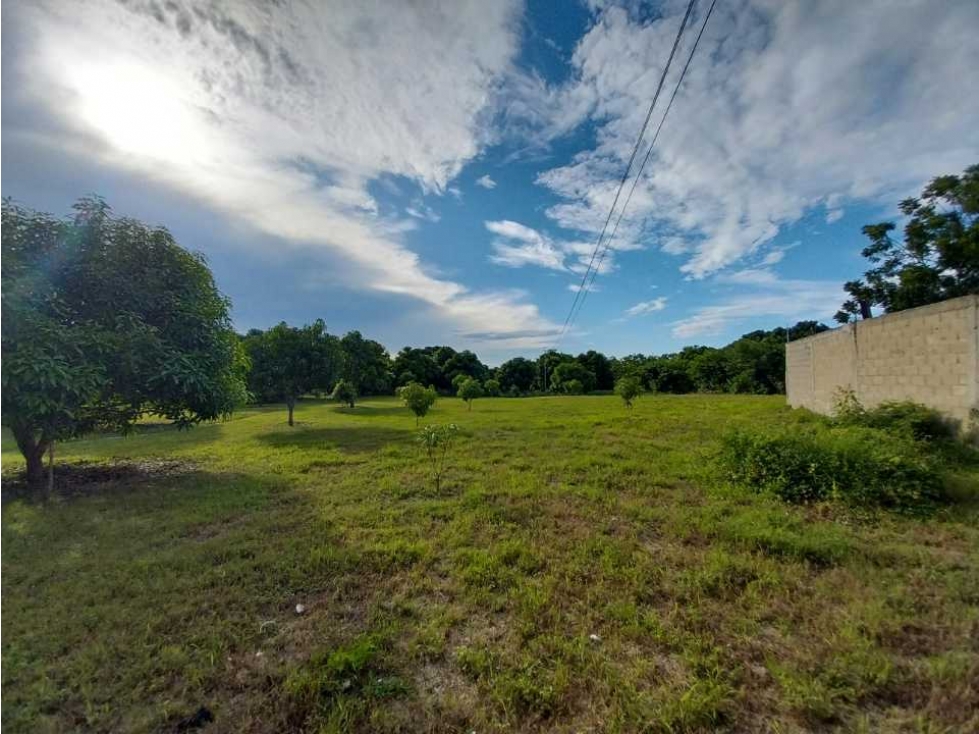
(345, 392)
(902, 418)
(105, 319)
(469, 390)
(628, 388)
(755, 364)
(436, 441)
(517, 374)
(492, 388)
(365, 364)
(856, 465)
(289, 362)
(572, 378)
(938, 259)
(417, 399)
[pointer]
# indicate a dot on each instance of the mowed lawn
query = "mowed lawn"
(584, 569)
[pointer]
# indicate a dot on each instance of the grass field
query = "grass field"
(582, 570)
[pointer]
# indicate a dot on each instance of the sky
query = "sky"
(439, 172)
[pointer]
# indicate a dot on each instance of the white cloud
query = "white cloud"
(280, 116)
(418, 210)
(834, 215)
(788, 106)
(646, 307)
(760, 294)
(517, 245)
(486, 182)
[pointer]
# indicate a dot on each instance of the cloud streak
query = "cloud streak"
(787, 107)
(281, 116)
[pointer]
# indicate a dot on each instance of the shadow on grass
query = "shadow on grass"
(374, 411)
(347, 439)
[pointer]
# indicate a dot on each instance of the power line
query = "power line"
(628, 170)
(652, 143)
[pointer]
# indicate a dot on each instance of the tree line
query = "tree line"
(106, 319)
(289, 362)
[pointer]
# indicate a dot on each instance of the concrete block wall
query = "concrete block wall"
(929, 355)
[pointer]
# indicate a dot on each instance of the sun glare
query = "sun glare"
(138, 112)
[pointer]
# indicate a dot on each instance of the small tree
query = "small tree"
(572, 387)
(469, 391)
(492, 389)
(417, 399)
(345, 392)
(458, 381)
(436, 441)
(628, 388)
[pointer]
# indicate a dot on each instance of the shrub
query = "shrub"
(572, 387)
(903, 418)
(345, 392)
(417, 399)
(491, 388)
(857, 465)
(628, 388)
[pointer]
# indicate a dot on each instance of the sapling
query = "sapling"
(628, 388)
(436, 441)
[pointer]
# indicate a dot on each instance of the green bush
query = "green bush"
(903, 418)
(908, 419)
(854, 464)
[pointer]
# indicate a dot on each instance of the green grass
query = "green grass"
(129, 604)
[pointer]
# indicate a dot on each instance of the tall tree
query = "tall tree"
(465, 363)
(598, 364)
(938, 259)
(106, 319)
(518, 373)
(289, 361)
(365, 364)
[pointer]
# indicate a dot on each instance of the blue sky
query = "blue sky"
(439, 172)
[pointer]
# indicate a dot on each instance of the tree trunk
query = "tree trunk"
(51, 468)
(291, 404)
(33, 449)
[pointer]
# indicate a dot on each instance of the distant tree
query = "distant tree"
(517, 373)
(710, 370)
(599, 365)
(492, 388)
(628, 388)
(365, 364)
(417, 399)
(289, 362)
(469, 391)
(670, 373)
(802, 329)
(416, 365)
(546, 364)
(938, 259)
(571, 387)
(104, 320)
(345, 392)
(465, 363)
(573, 370)
(636, 365)
(458, 381)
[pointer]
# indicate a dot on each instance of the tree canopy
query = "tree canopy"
(106, 319)
(289, 361)
(937, 259)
